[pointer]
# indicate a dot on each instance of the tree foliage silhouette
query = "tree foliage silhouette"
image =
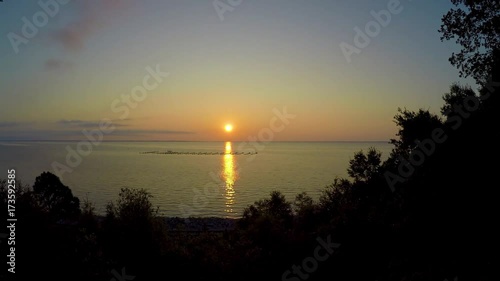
(413, 126)
(363, 168)
(55, 198)
(456, 96)
(475, 26)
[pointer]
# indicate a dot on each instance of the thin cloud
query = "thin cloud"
(150, 132)
(77, 134)
(85, 124)
(75, 122)
(14, 124)
(8, 124)
(93, 15)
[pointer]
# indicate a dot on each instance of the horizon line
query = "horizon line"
(33, 140)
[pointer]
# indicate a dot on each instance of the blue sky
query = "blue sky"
(263, 55)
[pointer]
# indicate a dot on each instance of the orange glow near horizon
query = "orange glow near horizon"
(228, 128)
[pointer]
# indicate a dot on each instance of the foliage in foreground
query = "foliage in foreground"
(436, 222)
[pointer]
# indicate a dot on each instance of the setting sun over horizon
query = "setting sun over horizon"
(249, 140)
(178, 71)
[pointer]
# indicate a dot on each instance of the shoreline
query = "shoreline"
(191, 224)
(199, 224)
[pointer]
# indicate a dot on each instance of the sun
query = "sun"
(228, 128)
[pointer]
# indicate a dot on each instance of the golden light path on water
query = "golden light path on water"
(229, 177)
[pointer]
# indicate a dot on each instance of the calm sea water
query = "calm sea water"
(184, 185)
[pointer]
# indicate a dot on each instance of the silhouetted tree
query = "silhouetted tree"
(334, 196)
(302, 203)
(132, 205)
(413, 126)
(133, 232)
(475, 25)
(364, 167)
(275, 207)
(55, 198)
(456, 96)
(305, 211)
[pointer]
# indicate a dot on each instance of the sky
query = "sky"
(183, 69)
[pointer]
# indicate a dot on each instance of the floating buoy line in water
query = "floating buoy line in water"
(198, 153)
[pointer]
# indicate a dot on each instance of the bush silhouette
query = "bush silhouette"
(365, 167)
(55, 198)
(133, 234)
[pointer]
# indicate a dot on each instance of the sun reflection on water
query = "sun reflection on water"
(229, 176)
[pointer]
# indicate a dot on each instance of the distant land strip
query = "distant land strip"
(199, 153)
